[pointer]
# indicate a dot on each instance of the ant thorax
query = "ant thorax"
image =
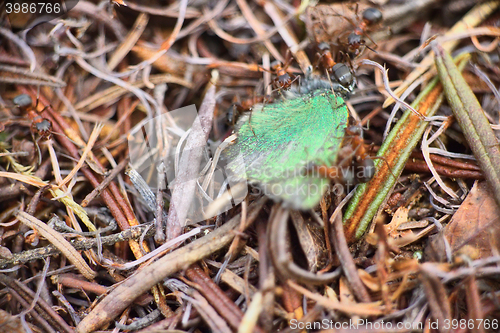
(342, 82)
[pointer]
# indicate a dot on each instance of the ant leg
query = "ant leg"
(288, 58)
(331, 83)
(349, 61)
(250, 117)
(37, 97)
(356, 10)
(372, 49)
(317, 60)
(250, 124)
(285, 87)
(346, 154)
(386, 163)
(37, 146)
(337, 174)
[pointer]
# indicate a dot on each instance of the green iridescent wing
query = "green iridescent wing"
(276, 148)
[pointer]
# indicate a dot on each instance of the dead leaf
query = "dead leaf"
(369, 281)
(312, 241)
(474, 224)
(400, 216)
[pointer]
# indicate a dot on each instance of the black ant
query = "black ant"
(343, 75)
(340, 76)
(39, 125)
(362, 159)
(325, 57)
(238, 108)
(354, 152)
(370, 18)
(349, 42)
(283, 79)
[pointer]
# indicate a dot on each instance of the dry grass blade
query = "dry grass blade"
(252, 315)
(121, 297)
(130, 40)
(280, 254)
(28, 77)
(256, 26)
(394, 153)
(58, 241)
(141, 95)
(113, 93)
(287, 35)
(471, 118)
(360, 309)
(43, 312)
(31, 180)
(184, 190)
(80, 244)
(436, 296)
(427, 158)
(22, 45)
(93, 137)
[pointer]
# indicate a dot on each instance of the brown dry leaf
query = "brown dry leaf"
(346, 296)
(331, 294)
(371, 282)
(19, 20)
(312, 241)
(474, 224)
(400, 216)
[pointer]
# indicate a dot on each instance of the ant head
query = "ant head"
(23, 101)
(43, 127)
(323, 46)
(372, 16)
(354, 40)
(343, 75)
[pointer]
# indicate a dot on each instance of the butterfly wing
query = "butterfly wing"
(277, 146)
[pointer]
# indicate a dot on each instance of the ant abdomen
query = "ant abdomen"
(23, 101)
(372, 16)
